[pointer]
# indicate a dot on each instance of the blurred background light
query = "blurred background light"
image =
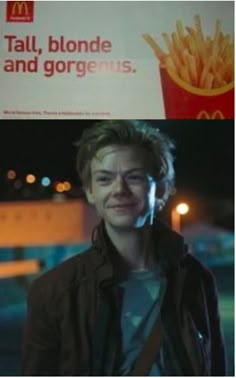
(67, 186)
(45, 181)
(30, 179)
(11, 175)
(60, 187)
(18, 184)
(182, 208)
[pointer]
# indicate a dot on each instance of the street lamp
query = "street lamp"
(180, 209)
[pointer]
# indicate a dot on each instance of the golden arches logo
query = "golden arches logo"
(20, 8)
(217, 114)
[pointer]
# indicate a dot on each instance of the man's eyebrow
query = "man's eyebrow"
(106, 171)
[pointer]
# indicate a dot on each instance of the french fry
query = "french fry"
(199, 45)
(199, 27)
(224, 69)
(224, 45)
(208, 43)
(229, 70)
(192, 69)
(170, 64)
(191, 44)
(157, 49)
(215, 47)
(180, 30)
(172, 51)
(205, 72)
(203, 62)
(218, 81)
(208, 80)
(178, 46)
(184, 74)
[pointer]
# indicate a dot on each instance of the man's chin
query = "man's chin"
(124, 224)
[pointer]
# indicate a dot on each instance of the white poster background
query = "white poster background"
(100, 94)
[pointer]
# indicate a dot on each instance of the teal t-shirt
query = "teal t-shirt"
(140, 309)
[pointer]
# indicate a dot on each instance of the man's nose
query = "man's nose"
(120, 185)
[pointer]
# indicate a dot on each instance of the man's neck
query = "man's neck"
(134, 245)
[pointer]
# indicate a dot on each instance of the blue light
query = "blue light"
(45, 181)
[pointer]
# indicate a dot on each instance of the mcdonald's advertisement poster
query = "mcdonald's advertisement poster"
(102, 59)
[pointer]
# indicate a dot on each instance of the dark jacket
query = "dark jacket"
(73, 323)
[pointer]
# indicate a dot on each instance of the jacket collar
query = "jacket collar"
(110, 267)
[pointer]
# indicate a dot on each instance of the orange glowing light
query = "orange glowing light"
(30, 179)
(176, 213)
(11, 175)
(67, 186)
(182, 208)
(60, 187)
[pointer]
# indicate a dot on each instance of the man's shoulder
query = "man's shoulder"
(196, 269)
(67, 274)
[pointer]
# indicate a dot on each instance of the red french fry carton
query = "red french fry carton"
(183, 101)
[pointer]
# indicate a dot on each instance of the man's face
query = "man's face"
(121, 188)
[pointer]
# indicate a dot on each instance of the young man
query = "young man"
(135, 303)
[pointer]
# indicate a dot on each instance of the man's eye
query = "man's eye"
(103, 179)
(136, 178)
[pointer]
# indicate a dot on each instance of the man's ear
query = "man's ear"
(161, 190)
(161, 196)
(89, 195)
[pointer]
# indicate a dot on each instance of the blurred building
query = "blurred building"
(212, 244)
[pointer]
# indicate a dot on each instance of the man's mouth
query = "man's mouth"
(122, 205)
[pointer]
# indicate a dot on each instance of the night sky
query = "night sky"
(204, 152)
